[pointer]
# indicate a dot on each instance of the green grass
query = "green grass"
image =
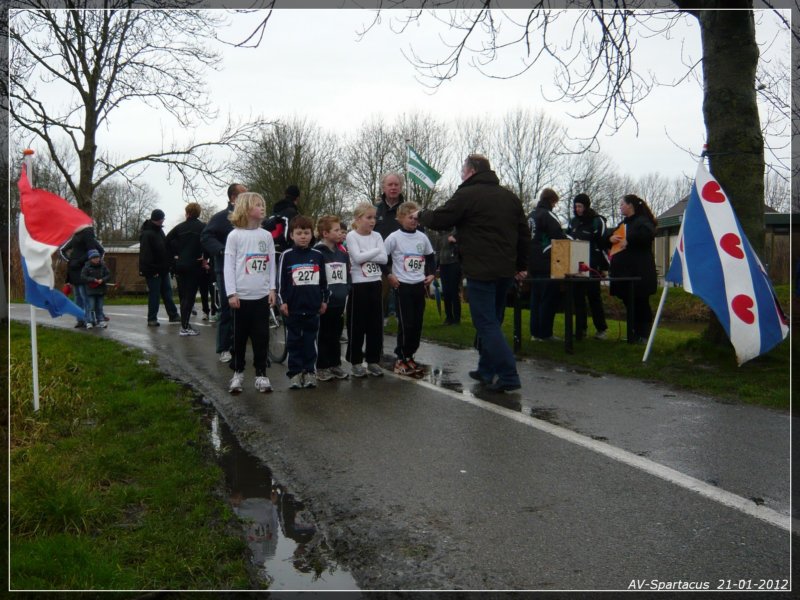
(679, 356)
(113, 482)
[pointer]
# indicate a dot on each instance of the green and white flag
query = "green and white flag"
(421, 172)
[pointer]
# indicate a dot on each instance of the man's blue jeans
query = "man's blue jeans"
(487, 305)
(160, 286)
(80, 295)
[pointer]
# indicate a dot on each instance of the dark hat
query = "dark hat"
(93, 253)
(157, 215)
(293, 191)
(582, 199)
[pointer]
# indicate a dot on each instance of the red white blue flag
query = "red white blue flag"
(714, 261)
(46, 222)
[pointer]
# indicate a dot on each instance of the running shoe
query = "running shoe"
(359, 371)
(225, 356)
(375, 370)
(262, 384)
(337, 372)
(188, 331)
(296, 382)
(309, 380)
(237, 381)
(324, 374)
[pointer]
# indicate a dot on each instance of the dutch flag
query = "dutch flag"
(714, 261)
(46, 222)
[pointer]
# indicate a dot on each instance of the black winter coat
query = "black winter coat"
(386, 221)
(278, 223)
(154, 258)
(636, 260)
(183, 242)
(215, 234)
(591, 228)
(76, 251)
(90, 273)
(492, 232)
(545, 228)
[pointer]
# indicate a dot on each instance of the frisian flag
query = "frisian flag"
(714, 260)
(46, 222)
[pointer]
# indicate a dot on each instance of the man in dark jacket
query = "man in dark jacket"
(386, 223)
(213, 238)
(154, 264)
(282, 214)
(76, 253)
(493, 238)
(183, 242)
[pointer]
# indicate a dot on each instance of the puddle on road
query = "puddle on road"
(287, 550)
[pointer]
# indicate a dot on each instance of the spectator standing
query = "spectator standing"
(385, 224)
(183, 241)
(493, 239)
(587, 225)
(635, 259)
(282, 214)
(213, 239)
(95, 276)
(76, 252)
(450, 274)
(155, 262)
(544, 294)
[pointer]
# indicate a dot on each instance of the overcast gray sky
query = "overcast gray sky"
(311, 64)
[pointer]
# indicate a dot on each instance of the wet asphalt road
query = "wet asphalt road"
(578, 482)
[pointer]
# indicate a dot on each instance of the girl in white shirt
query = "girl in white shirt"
(250, 286)
(364, 304)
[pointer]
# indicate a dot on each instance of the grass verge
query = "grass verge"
(679, 356)
(113, 482)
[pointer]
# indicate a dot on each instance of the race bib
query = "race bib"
(256, 264)
(335, 273)
(370, 269)
(305, 275)
(413, 263)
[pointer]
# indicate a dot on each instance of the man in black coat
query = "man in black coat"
(155, 261)
(76, 253)
(493, 239)
(183, 242)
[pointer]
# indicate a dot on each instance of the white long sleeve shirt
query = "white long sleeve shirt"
(367, 253)
(249, 263)
(408, 250)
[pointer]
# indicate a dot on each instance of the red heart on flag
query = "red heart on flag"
(743, 308)
(712, 192)
(732, 244)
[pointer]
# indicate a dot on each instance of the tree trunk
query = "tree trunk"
(733, 129)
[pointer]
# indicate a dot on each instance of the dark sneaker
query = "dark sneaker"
(80, 325)
(498, 386)
(153, 324)
(476, 375)
(175, 319)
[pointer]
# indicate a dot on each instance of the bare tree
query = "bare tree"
(120, 209)
(430, 138)
(71, 70)
(474, 136)
(776, 192)
(370, 154)
(296, 151)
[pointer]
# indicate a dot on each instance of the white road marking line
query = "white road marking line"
(706, 490)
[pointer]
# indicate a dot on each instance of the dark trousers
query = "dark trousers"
(544, 303)
(581, 292)
(188, 282)
(301, 342)
(251, 321)
(329, 345)
(364, 322)
(642, 315)
(204, 285)
(224, 342)
(451, 282)
(159, 286)
(410, 303)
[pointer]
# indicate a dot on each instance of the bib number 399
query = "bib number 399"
(370, 269)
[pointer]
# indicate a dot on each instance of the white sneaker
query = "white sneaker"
(188, 331)
(337, 372)
(359, 371)
(601, 335)
(236, 382)
(262, 384)
(225, 356)
(102, 324)
(296, 382)
(374, 369)
(324, 374)
(309, 380)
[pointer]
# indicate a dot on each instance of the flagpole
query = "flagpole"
(655, 323)
(27, 155)
(405, 171)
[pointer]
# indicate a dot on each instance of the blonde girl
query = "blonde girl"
(364, 307)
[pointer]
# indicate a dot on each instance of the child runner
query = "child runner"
(413, 265)
(303, 295)
(249, 274)
(364, 306)
(94, 276)
(331, 322)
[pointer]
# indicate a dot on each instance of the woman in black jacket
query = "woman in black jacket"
(632, 256)
(545, 228)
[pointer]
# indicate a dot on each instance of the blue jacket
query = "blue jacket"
(337, 289)
(301, 280)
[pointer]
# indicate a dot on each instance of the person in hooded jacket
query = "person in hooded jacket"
(635, 259)
(282, 214)
(155, 261)
(545, 295)
(587, 225)
(183, 242)
(76, 252)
